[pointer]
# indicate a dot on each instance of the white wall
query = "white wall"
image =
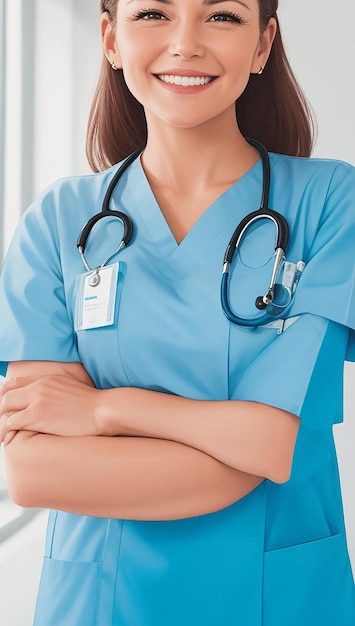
(68, 56)
(320, 41)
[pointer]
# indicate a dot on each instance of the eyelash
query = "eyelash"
(232, 17)
(152, 15)
(147, 15)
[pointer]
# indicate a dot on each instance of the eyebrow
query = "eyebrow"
(209, 2)
(205, 2)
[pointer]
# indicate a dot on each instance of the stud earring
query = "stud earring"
(114, 66)
(261, 70)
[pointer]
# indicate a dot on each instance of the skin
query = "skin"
(143, 465)
(202, 126)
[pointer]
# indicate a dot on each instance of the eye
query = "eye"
(149, 15)
(227, 17)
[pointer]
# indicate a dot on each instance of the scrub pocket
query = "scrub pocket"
(309, 584)
(69, 594)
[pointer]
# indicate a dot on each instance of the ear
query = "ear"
(264, 47)
(109, 42)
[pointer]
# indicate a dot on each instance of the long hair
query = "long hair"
(272, 109)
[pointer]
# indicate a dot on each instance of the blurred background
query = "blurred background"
(49, 60)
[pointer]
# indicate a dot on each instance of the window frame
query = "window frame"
(2, 115)
(17, 93)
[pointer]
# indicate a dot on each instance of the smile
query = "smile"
(186, 81)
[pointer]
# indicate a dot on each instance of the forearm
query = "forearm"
(252, 437)
(120, 477)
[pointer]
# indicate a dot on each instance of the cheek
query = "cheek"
(140, 60)
(135, 81)
(136, 55)
(238, 57)
(137, 46)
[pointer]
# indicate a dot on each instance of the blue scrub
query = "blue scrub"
(278, 557)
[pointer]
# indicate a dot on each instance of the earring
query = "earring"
(261, 70)
(114, 66)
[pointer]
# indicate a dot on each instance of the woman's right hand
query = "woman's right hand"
(60, 399)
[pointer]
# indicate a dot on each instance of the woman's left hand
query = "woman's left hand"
(54, 404)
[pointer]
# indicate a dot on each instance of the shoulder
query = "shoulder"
(71, 194)
(318, 171)
(319, 189)
(60, 211)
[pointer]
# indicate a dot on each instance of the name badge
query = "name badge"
(95, 297)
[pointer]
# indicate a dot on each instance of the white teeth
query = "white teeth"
(185, 81)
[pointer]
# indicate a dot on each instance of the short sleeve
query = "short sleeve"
(309, 354)
(327, 285)
(301, 370)
(34, 319)
(305, 361)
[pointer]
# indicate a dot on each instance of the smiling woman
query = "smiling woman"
(188, 462)
(272, 108)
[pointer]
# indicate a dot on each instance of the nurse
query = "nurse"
(188, 463)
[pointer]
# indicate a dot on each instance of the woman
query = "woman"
(188, 461)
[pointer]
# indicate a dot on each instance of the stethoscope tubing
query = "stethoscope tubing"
(281, 241)
(263, 213)
(107, 212)
(281, 228)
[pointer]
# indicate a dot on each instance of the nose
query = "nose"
(186, 42)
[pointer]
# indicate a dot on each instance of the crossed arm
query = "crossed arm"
(133, 453)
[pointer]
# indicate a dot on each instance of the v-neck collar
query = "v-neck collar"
(221, 217)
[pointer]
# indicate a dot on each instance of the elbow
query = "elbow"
(281, 475)
(20, 479)
(20, 495)
(20, 490)
(280, 455)
(280, 468)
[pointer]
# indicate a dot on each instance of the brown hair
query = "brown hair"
(272, 109)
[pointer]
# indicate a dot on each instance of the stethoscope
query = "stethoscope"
(94, 279)
(262, 303)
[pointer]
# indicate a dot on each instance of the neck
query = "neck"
(187, 160)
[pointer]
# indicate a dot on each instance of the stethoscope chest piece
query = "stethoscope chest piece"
(95, 279)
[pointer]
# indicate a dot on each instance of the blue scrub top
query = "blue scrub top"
(277, 557)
